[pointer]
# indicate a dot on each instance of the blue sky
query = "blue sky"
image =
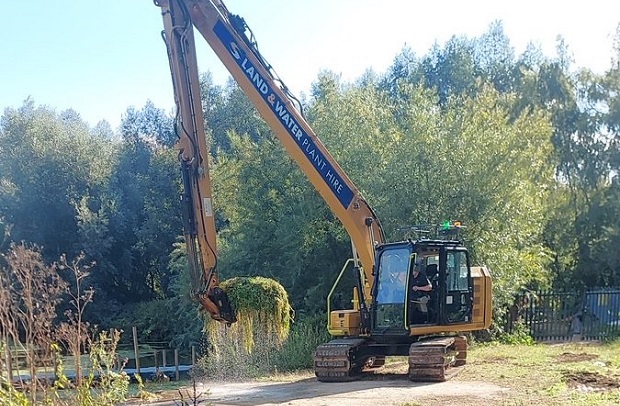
(100, 57)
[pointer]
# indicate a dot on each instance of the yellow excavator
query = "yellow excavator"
(411, 298)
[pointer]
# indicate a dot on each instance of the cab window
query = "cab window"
(393, 276)
(457, 271)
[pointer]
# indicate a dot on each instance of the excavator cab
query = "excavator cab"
(399, 309)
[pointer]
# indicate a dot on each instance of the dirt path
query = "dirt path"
(359, 393)
(386, 389)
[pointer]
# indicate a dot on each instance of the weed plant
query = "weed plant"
(104, 386)
(520, 335)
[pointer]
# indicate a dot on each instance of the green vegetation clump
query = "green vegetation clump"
(248, 347)
(260, 302)
(262, 307)
(11, 396)
(519, 336)
(297, 352)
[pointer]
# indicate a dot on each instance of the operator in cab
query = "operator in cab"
(421, 287)
(420, 282)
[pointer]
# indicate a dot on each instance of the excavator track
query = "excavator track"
(339, 360)
(437, 359)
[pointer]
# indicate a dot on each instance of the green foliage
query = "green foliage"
(471, 160)
(144, 220)
(48, 163)
(262, 295)
(184, 309)
(11, 396)
(297, 352)
(106, 384)
(584, 231)
(149, 122)
(244, 121)
(112, 382)
(247, 347)
(519, 336)
(71, 190)
(164, 321)
(261, 193)
(62, 381)
(520, 148)
(142, 392)
(260, 304)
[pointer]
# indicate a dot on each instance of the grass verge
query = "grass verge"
(549, 374)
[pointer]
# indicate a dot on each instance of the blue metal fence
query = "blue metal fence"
(561, 315)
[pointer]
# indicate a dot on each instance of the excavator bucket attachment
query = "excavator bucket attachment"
(217, 304)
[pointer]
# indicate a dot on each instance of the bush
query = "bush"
(519, 335)
(298, 351)
(168, 321)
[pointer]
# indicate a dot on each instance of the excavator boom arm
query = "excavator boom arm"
(225, 33)
(198, 216)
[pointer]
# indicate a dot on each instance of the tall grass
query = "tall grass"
(298, 351)
(229, 358)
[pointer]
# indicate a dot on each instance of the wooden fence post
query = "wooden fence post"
(9, 362)
(176, 364)
(193, 355)
(163, 356)
(135, 349)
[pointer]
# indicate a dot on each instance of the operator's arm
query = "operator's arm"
(425, 288)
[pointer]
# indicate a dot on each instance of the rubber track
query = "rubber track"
(339, 360)
(436, 359)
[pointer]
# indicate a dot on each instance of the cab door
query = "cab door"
(390, 290)
(457, 300)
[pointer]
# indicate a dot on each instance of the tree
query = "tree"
(150, 123)
(129, 225)
(48, 164)
(450, 71)
(103, 129)
(233, 111)
(131, 233)
(471, 160)
(260, 193)
(589, 152)
(494, 57)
